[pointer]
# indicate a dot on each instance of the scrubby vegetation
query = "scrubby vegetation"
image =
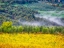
(7, 27)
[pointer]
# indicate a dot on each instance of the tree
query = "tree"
(20, 28)
(6, 26)
(45, 30)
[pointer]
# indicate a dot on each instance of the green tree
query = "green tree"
(51, 30)
(45, 30)
(0, 29)
(6, 26)
(20, 28)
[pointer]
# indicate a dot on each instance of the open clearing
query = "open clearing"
(31, 41)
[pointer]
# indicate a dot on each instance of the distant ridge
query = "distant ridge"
(30, 1)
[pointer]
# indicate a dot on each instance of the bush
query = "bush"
(58, 29)
(9, 30)
(19, 28)
(37, 29)
(14, 29)
(45, 30)
(6, 26)
(26, 28)
(0, 29)
(52, 30)
(62, 31)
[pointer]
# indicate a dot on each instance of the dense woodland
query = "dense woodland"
(30, 1)
(24, 1)
(9, 12)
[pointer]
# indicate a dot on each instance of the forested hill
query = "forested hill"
(13, 10)
(30, 1)
(54, 2)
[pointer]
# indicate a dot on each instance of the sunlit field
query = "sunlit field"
(31, 41)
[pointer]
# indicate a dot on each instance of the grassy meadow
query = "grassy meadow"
(31, 41)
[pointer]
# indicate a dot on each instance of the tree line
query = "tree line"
(7, 27)
(30, 1)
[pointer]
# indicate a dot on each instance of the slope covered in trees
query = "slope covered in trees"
(12, 13)
(30, 1)
(10, 10)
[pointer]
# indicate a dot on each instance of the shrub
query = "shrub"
(58, 29)
(52, 30)
(37, 29)
(6, 26)
(19, 28)
(9, 30)
(32, 30)
(62, 31)
(0, 29)
(26, 28)
(45, 30)
(14, 29)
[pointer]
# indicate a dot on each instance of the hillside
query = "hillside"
(21, 14)
(12, 13)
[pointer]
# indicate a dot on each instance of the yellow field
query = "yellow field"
(31, 41)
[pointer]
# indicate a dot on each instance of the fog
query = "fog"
(32, 23)
(48, 19)
(53, 19)
(51, 16)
